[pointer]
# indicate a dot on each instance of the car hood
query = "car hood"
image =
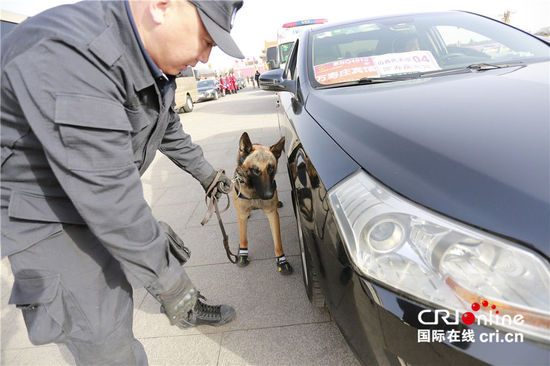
(206, 88)
(473, 146)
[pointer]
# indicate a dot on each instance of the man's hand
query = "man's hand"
(179, 301)
(223, 183)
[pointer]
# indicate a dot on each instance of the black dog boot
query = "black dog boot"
(242, 258)
(283, 266)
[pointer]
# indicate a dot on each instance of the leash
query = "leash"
(237, 179)
(212, 207)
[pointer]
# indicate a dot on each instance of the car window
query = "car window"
(384, 47)
(463, 41)
(290, 69)
(6, 27)
(204, 83)
(285, 49)
(8, 21)
(186, 72)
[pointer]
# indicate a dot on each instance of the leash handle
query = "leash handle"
(212, 206)
(211, 193)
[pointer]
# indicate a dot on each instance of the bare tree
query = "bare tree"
(506, 16)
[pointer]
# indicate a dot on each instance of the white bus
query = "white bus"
(287, 35)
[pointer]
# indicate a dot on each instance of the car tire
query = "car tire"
(188, 106)
(310, 274)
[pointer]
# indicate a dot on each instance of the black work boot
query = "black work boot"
(178, 300)
(204, 314)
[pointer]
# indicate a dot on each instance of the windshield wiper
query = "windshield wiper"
(485, 66)
(364, 81)
(473, 67)
(382, 80)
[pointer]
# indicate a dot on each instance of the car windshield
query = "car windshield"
(205, 83)
(394, 48)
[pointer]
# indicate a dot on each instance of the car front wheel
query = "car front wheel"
(188, 107)
(310, 273)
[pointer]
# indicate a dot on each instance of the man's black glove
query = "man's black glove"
(223, 183)
(179, 301)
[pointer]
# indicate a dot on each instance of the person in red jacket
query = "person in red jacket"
(229, 85)
(223, 89)
(234, 83)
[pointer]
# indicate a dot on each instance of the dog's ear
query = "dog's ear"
(245, 145)
(278, 148)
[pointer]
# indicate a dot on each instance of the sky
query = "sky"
(258, 20)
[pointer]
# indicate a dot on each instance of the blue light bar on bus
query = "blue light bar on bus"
(304, 22)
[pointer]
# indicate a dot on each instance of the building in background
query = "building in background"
(247, 67)
(205, 74)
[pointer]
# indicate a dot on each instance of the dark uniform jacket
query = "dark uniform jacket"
(82, 118)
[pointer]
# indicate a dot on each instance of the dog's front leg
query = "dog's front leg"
(243, 221)
(275, 225)
(242, 258)
(283, 266)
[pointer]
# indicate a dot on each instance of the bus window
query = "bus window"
(272, 58)
(285, 49)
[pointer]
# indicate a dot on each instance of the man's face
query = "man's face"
(181, 40)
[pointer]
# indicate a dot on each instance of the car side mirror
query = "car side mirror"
(273, 80)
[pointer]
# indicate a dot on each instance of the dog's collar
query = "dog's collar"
(241, 195)
(238, 178)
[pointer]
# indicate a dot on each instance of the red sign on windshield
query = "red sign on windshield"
(375, 66)
(346, 70)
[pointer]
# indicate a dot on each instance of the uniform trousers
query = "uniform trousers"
(72, 291)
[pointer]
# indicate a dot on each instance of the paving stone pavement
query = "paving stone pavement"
(275, 323)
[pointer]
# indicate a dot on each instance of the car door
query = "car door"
(309, 193)
(309, 148)
(287, 103)
(292, 118)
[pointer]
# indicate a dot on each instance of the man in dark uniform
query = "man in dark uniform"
(87, 100)
(257, 78)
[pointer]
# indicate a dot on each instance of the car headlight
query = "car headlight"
(440, 261)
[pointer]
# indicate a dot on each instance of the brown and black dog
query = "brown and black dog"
(255, 189)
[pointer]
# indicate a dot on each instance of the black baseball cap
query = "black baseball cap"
(217, 17)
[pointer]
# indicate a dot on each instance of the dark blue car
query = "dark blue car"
(418, 151)
(208, 89)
